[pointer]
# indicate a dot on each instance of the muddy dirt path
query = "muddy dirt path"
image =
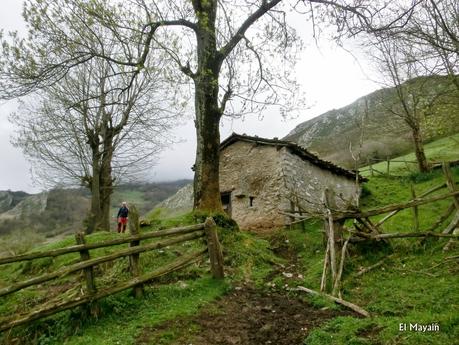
(248, 316)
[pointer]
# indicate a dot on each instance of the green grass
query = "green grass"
(126, 318)
(182, 293)
(418, 284)
(445, 149)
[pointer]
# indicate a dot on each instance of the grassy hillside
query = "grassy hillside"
(416, 284)
(445, 149)
(384, 134)
(123, 318)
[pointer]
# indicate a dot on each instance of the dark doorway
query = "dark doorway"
(226, 202)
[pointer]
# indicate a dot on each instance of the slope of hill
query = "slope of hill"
(63, 210)
(332, 133)
(415, 283)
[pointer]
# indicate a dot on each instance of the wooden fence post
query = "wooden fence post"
(450, 182)
(388, 167)
(452, 187)
(214, 248)
(94, 309)
(134, 259)
(371, 168)
(334, 233)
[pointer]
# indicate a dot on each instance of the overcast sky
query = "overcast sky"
(330, 77)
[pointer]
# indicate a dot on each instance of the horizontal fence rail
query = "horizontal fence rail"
(58, 307)
(79, 247)
(178, 235)
(96, 261)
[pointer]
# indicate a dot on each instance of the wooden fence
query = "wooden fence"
(86, 264)
(387, 170)
(365, 229)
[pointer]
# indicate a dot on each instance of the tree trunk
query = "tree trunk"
(94, 215)
(206, 177)
(208, 113)
(106, 181)
(419, 150)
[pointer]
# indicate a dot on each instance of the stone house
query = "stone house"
(261, 179)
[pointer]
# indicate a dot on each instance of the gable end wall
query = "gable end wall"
(306, 183)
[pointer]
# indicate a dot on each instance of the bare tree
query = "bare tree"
(237, 55)
(434, 29)
(81, 133)
(399, 69)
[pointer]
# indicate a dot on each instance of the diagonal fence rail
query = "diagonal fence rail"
(206, 230)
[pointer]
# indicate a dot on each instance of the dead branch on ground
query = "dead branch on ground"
(347, 304)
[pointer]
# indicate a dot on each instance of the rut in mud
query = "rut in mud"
(247, 316)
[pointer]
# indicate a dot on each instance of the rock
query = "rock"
(266, 328)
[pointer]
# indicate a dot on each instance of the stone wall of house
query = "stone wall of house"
(305, 184)
(253, 171)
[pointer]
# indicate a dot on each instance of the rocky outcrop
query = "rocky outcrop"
(6, 201)
(32, 205)
(182, 201)
(9, 199)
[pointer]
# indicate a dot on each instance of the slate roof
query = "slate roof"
(294, 148)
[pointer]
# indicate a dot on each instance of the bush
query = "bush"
(365, 191)
(418, 177)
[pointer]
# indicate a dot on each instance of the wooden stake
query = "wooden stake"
(337, 283)
(331, 242)
(134, 259)
(450, 183)
(323, 281)
(91, 290)
(88, 271)
(334, 231)
(214, 248)
(452, 187)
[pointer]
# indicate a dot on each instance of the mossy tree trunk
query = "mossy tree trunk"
(208, 107)
(208, 112)
(419, 149)
(106, 186)
(93, 183)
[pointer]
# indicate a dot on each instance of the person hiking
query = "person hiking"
(122, 217)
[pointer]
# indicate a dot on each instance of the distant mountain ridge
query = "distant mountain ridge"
(332, 134)
(9, 199)
(63, 210)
